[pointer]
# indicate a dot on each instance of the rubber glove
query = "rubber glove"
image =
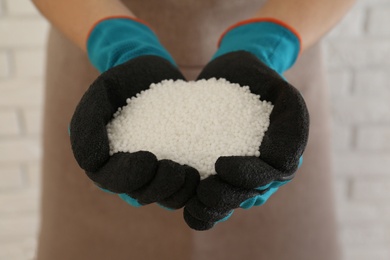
(255, 53)
(131, 58)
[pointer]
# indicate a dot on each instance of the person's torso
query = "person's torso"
(190, 29)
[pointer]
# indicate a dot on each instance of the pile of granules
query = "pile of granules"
(192, 122)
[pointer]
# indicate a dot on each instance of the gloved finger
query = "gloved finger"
(195, 223)
(247, 172)
(125, 172)
(287, 135)
(169, 178)
(226, 217)
(200, 211)
(88, 134)
(175, 201)
(179, 198)
(215, 193)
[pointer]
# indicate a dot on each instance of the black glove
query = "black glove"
(245, 181)
(137, 175)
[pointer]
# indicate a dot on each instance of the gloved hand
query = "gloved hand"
(255, 53)
(131, 59)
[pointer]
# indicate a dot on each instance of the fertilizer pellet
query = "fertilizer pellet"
(192, 122)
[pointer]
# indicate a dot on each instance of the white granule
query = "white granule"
(192, 122)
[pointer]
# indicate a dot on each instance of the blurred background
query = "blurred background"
(358, 63)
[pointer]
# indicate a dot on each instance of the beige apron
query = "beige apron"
(81, 222)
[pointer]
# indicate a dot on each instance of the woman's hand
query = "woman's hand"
(254, 54)
(131, 59)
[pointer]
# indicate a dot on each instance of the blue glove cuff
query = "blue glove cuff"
(116, 40)
(270, 40)
(261, 199)
(129, 200)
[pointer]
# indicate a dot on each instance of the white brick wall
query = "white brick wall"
(374, 138)
(21, 7)
(358, 57)
(22, 40)
(4, 61)
(22, 32)
(366, 86)
(379, 19)
(29, 63)
(358, 62)
(370, 189)
(11, 177)
(10, 123)
(33, 119)
(1, 7)
(357, 164)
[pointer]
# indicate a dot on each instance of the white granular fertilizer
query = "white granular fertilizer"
(192, 122)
